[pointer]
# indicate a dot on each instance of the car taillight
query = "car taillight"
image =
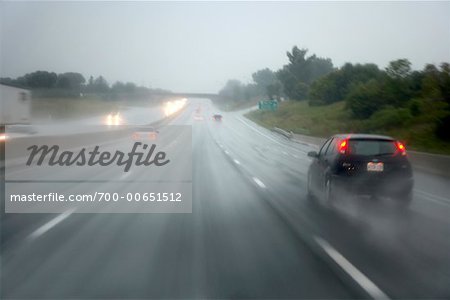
(343, 146)
(401, 148)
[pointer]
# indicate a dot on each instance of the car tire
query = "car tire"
(330, 197)
(309, 192)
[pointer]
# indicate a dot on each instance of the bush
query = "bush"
(443, 128)
(301, 91)
(365, 98)
(335, 86)
(325, 90)
(415, 107)
(388, 118)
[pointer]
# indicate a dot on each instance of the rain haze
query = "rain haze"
(224, 150)
(197, 47)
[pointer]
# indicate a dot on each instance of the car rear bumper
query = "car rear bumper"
(370, 185)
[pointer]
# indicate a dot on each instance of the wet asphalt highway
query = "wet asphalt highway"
(252, 233)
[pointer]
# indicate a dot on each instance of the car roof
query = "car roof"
(363, 136)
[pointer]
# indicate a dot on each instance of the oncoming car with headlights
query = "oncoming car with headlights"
(349, 164)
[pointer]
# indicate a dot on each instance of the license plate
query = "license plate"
(375, 167)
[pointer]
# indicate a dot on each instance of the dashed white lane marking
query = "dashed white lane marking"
(284, 152)
(227, 152)
(50, 224)
(259, 182)
(370, 287)
(236, 162)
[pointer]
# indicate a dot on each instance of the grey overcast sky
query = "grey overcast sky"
(198, 46)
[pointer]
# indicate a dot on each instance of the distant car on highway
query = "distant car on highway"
(350, 164)
(217, 117)
(143, 133)
(113, 119)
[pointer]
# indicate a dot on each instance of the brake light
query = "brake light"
(343, 146)
(401, 148)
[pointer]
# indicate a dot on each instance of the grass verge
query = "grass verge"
(324, 121)
(66, 108)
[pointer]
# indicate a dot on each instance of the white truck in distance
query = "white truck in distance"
(15, 111)
(15, 105)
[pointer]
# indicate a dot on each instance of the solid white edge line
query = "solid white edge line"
(256, 130)
(259, 182)
(433, 198)
(50, 224)
(265, 135)
(370, 287)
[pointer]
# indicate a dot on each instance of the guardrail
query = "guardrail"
(426, 162)
(287, 134)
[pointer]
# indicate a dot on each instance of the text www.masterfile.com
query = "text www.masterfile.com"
(98, 197)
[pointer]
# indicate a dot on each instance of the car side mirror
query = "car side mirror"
(313, 154)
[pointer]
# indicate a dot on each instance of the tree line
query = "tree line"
(70, 84)
(292, 81)
(396, 96)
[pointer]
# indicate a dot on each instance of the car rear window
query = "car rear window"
(372, 147)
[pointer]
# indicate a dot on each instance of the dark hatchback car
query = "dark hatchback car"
(361, 164)
(217, 117)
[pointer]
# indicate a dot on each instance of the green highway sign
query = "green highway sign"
(268, 105)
